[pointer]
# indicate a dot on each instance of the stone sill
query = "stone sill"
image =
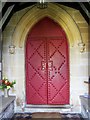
(5, 101)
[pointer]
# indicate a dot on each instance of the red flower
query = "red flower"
(3, 81)
(8, 83)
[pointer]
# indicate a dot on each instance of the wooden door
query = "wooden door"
(58, 71)
(36, 74)
(47, 65)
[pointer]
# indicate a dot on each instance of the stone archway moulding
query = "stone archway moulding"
(54, 12)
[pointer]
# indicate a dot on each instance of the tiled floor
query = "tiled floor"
(19, 116)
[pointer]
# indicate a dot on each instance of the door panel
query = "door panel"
(36, 78)
(58, 80)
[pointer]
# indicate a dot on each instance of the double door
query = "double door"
(47, 71)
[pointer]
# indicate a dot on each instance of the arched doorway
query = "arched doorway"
(47, 64)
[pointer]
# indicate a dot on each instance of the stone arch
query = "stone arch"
(54, 12)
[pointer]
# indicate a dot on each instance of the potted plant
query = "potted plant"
(5, 85)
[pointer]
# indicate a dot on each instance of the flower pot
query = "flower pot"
(6, 93)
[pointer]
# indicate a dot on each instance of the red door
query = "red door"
(47, 67)
(58, 72)
(36, 74)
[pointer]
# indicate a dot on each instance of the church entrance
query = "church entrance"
(47, 64)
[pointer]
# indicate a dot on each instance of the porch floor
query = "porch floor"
(63, 116)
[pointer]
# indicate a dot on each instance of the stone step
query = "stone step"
(49, 106)
(46, 108)
(61, 110)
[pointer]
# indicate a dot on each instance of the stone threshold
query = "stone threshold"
(49, 106)
(33, 109)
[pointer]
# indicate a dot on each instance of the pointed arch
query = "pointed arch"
(54, 12)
